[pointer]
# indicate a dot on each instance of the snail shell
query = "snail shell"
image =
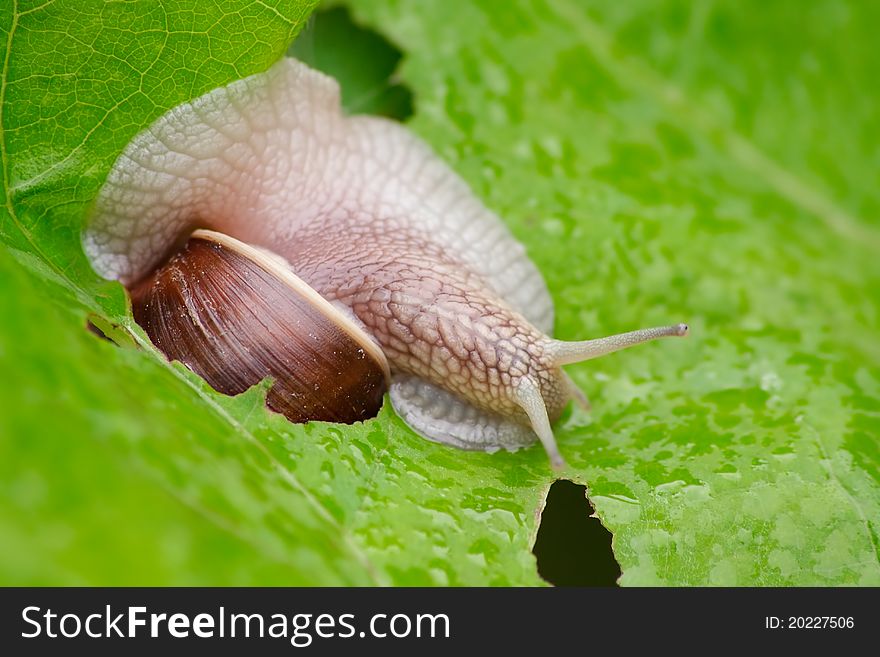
(237, 315)
(371, 219)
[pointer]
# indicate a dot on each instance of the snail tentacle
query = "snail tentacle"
(565, 353)
(528, 394)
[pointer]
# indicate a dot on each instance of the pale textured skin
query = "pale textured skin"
(431, 315)
(368, 216)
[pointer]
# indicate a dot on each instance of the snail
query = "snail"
(378, 226)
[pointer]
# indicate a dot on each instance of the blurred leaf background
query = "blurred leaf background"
(714, 162)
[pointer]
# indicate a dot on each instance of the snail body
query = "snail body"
(377, 225)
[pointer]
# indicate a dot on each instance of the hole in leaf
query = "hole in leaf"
(573, 548)
(93, 328)
(363, 62)
(106, 330)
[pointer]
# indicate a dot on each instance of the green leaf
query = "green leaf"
(661, 163)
